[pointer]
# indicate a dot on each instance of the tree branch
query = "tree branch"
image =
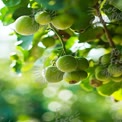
(105, 27)
(60, 38)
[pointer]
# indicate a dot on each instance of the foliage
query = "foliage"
(77, 29)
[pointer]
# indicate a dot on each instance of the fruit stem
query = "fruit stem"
(104, 25)
(60, 38)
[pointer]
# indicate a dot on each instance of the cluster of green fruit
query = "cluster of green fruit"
(26, 25)
(108, 69)
(67, 68)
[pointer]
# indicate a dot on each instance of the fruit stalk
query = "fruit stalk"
(60, 38)
(104, 25)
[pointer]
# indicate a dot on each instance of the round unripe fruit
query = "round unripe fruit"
(82, 63)
(83, 74)
(42, 17)
(62, 21)
(102, 74)
(26, 25)
(117, 79)
(72, 77)
(53, 75)
(115, 70)
(105, 59)
(95, 83)
(48, 41)
(66, 63)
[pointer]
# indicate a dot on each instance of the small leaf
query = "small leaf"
(6, 15)
(51, 4)
(23, 53)
(117, 4)
(91, 34)
(26, 41)
(21, 11)
(17, 65)
(70, 42)
(85, 84)
(112, 12)
(11, 3)
(118, 94)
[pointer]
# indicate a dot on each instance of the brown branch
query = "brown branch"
(105, 27)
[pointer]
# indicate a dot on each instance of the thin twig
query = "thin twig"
(60, 38)
(105, 27)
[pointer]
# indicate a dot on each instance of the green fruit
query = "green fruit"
(42, 17)
(72, 77)
(62, 21)
(102, 74)
(53, 75)
(83, 74)
(48, 41)
(105, 59)
(117, 79)
(66, 63)
(95, 82)
(115, 70)
(26, 25)
(82, 63)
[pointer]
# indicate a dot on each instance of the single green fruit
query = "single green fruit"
(105, 59)
(53, 75)
(115, 70)
(72, 77)
(101, 73)
(62, 22)
(117, 79)
(82, 63)
(83, 74)
(66, 63)
(42, 17)
(95, 82)
(26, 25)
(48, 41)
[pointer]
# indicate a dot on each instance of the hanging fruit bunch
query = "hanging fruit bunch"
(60, 36)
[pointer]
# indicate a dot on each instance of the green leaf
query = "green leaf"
(82, 20)
(85, 84)
(17, 65)
(112, 12)
(117, 4)
(11, 3)
(118, 94)
(21, 11)
(51, 4)
(70, 42)
(91, 34)
(26, 41)
(6, 15)
(23, 53)
(109, 88)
